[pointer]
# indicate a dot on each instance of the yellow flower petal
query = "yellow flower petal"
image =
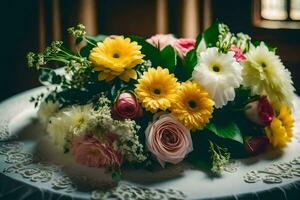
(105, 76)
(116, 56)
(280, 130)
(192, 106)
(156, 89)
(128, 74)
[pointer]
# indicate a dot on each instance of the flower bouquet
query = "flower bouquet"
(125, 102)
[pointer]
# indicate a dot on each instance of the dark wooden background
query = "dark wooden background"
(20, 30)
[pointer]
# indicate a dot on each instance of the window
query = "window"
(274, 9)
(295, 10)
(276, 13)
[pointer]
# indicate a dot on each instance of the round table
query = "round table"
(26, 173)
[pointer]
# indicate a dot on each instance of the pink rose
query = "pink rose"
(126, 106)
(260, 111)
(238, 54)
(160, 41)
(168, 140)
(91, 152)
(184, 45)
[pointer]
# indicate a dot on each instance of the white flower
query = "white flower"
(219, 74)
(75, 120)
(58, 130)
(80, 118)
(264, 72)
(46, 110)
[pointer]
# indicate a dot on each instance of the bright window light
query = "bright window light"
(274, 9)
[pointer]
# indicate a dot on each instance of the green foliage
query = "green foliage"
(116, 174)
(188, 64)
(168, 58)
(165, 58)
(211, 35)
(37, 99)
(228, 130)
(242, 97)
(50, 76)
(85, 51)
(96, 38)
(151, 53)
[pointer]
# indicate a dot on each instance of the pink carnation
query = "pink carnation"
(168, 140)
(184, 45)
(92, 152)
(160, 41)
(238, 54)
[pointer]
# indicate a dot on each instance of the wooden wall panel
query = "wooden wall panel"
(33, 24)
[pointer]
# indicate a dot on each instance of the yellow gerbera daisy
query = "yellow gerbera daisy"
(280, 130)
(192, 106)
(116, 57)
(156, 89)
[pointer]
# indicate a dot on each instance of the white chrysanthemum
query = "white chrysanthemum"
(58, 130)
(264, 72)
(75, 120)
(80, 118)
(46, 110)
(219, 74)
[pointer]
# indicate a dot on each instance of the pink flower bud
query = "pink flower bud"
(256, 144)
(126, 106)
(260, 111)
(184, 45)
(160, 41)
(238, 54)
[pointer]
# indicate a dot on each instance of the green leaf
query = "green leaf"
(116, 176)
(198, 40)
(78, 40)
(211, 34)
(85, 51)
(56, 79)
(242, 95)
(229, 131)
(96, 38)
(165, 58)
(44, 76)
(49, 76)
(190, 62)
(168, 58)
(190, 59)
(114, 92)
(151, 53)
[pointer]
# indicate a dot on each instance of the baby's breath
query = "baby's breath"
(220, 157)
(128, 143)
